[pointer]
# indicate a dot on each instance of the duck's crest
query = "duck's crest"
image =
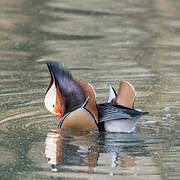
(57, 68)
(72, 93)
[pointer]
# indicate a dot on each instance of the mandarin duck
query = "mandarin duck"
(74, 103)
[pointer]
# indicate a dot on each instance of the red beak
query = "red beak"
(59, 117)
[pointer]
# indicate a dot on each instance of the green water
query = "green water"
(101, 42)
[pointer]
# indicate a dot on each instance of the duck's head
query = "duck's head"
(53, 98)
(64, 94)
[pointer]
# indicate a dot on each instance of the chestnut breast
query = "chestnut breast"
(79, 120)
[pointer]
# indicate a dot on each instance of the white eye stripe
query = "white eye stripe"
(50, 98)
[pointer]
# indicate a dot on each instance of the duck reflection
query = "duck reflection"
(125, 151)
(117, 144)
(65, 150)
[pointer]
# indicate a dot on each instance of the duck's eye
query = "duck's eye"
(53, 105)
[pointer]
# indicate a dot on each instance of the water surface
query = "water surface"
(101, 42)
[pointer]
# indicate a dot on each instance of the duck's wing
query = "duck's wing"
(109, 112)
(112, 94)
(125, 95)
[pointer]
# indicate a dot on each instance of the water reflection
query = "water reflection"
(65, 151)
(73, 150)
